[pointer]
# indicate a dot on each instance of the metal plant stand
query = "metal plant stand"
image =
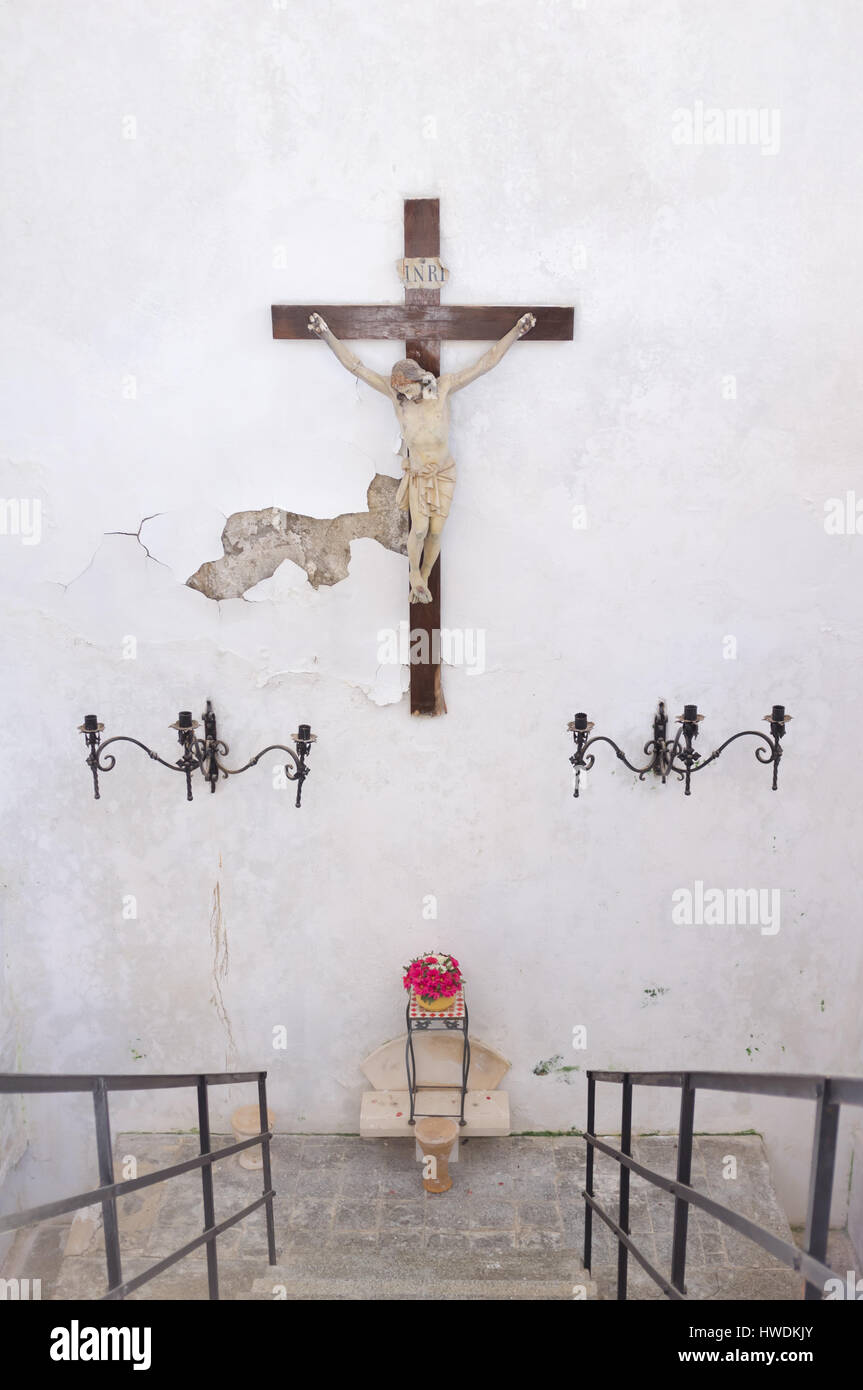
(453, 1020)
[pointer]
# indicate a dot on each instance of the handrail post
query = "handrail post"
(265, 1155)
(684, 1174)
(588, 1173)
(821, 1182)
(623, 1211)
(207, 1186)
(106, 1178)
(108, 1192)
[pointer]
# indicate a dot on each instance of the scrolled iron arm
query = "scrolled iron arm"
(601, 738)
(771, 754)
(187, 765)
(299, 773)
(271, 748)
(669, 758)
(207, 750)
(178, 766)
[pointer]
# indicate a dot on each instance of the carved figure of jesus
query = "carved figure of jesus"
(421, 403)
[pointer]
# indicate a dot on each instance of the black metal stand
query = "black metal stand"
(430, 1022)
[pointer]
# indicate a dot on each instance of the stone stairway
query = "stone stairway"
(353, 1223)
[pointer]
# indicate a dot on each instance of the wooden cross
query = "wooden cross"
(423, 323)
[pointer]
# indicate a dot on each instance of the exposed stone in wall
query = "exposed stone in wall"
(256, 543)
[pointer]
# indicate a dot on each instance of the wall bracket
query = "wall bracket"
(199, 754)
(678, 756)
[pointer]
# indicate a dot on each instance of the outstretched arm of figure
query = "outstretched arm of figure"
(346, 357)
(454, 381)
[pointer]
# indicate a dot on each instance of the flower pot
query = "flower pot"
(435, 1006)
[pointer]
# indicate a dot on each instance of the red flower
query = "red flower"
(432, 980)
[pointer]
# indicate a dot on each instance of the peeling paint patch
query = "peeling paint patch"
(256, 543)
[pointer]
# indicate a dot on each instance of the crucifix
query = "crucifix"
(420, 396)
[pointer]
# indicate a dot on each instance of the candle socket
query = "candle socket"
(91, 721)
(778, 724)
(690, 713)
(580, 721)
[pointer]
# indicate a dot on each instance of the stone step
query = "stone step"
(425, 1290)
(385, 1114)
(383, 1262)
(430, 1273)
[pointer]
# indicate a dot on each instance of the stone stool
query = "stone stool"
(436, 1136)
(245, 1122)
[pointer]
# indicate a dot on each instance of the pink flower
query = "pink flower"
(433, 976)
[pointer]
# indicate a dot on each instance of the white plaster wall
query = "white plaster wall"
(274, 146)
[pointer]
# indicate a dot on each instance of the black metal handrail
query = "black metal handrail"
(829, 1093)
(108, 1191)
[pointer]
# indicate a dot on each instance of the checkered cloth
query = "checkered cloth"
(455, 1010)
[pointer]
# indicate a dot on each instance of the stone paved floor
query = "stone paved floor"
(352, 1221)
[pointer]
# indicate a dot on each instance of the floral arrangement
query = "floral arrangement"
(434, 975)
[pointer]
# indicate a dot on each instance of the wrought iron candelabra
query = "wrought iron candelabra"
(198, 753)
(679, 755)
